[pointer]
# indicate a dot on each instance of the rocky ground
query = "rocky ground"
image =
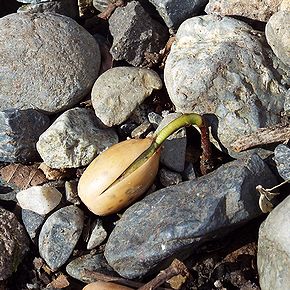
(77, 77)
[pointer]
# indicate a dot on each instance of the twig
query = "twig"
(106, 14)
(176, 268)
(119, 280)
(262, 136)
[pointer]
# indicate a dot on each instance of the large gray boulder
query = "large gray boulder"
(219, 66)
(273, 256)
(180, 218)
(47, 61)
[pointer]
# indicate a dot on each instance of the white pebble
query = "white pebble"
(39, 199)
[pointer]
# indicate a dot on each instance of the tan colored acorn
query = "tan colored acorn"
(100, 285)
(100, 187)
(122, 173)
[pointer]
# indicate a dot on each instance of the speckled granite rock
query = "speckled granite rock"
(53, 63)
(174, 12)
(135, 34)
(220, 67)
(255, 9)
(273, 258)
(59, 235)
(181, 217)
(74, 139)
(65, 7)
(19, 132)
(120, 90)
(282, 159)
(278, 35)
(14, 243)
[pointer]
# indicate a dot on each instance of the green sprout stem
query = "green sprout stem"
(161, 136)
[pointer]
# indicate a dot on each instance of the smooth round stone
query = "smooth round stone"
(59, 235)
(39, 199)
(47, 61)
(120, 90)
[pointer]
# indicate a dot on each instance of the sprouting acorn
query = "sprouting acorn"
(122, 173)
(100, 285)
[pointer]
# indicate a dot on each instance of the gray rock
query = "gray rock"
(98, 235)
(180, 218)
(19, 132)
(74, 139)
(168, 177)
(90, 262)
(218, 66)
(260, 10)
(287, 104)
(174, 147)
(273, 258)
(278, 35)
(174, 12)
(59, 235)
(53, 63)
(14, 243)
(120, 90)
(135, 34)
(101, 5)
(65, 7)
(32, 222)
(282, 159)
(154, 118)
(71, 192)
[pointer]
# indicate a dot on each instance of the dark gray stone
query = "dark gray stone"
(90, 262)
(52, 66)
(273, 257)
(32, 222)
(14, 243)
(65, 7)
(59, 235)
(174, 12)
(282, 159)
(181, 217)
(19, 132)
(135, 34)
(168, 177)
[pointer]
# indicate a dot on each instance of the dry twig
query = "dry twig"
(262, 136)
(106, 14)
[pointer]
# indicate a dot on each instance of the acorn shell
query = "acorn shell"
(100, 285)
(94, 185)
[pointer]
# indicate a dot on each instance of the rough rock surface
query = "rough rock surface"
(53, 63)
(19, 132)
(39, 199)
(59, 235)
(174, 147)
(278, 35)
(220, 67)
(184, 216)
(64, 7)
(174, 12)
(14, 243)
(255, 9)
(91, 262)
(282, 159)
(273, 256)
(74, 139)
(118, 91)
(135, 34)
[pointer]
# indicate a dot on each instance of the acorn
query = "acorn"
(122, 173)
(100, 285)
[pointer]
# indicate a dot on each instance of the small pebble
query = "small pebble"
(168, 177)
(98, 235)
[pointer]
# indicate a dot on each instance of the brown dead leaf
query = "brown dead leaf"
(59, 282)
(20, 177)
(54, 174)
